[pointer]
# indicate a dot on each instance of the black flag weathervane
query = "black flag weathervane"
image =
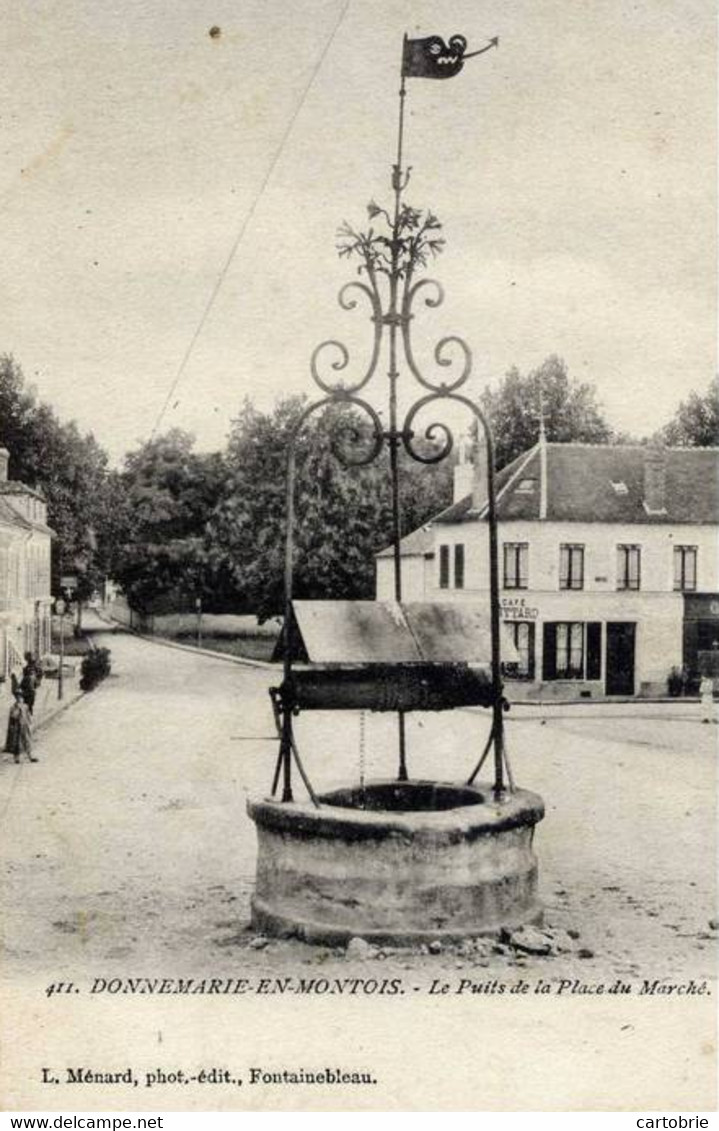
(432, 58)
(428, 58)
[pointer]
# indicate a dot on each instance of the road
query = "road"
(129, 840)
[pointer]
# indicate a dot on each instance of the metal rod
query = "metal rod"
(276, 777)
(286, 739)
(286, 754)
(303, 775)
(498, 703)
(62, 656)
(278, 728)
(393, 374)
(483, 758)
(510, 775)
(402, 771)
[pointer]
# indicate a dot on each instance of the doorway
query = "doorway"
(620, 658)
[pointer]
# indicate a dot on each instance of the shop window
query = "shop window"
(516, 560)
(572, 650)
(522, 635)
(685, 568)
(571, 567)
(629, 567)
(444, 567)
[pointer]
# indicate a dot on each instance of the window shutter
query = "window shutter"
(563, 567)
(509, 574)
(594, 650)
(690, 580)
(678, 564)
(549, 657)
(530, 674)
(459, 565)
(523, 566)
(444, 567)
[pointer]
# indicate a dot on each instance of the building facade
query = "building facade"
(608, 563)
(25, 599)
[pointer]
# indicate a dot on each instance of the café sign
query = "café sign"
(516, 608)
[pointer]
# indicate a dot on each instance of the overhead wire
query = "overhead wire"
(245, 224)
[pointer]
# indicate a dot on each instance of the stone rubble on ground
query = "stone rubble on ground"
(531, 940)
(360, 949)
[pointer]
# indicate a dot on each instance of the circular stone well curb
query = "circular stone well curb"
(436, 861)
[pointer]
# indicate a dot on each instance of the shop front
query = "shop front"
(594, 647)
(700, 635)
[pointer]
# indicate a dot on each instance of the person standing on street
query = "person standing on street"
(18, 739)
(30, 681)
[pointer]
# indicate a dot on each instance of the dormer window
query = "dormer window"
(525, 487)
(620, 488)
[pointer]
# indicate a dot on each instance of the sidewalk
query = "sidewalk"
(47, 704)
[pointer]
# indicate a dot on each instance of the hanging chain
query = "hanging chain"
(362, 748)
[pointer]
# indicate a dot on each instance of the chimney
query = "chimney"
(463, 473)
(4, 460)
(480, 489)
(655, 479)
(470, 474)
(463, 478)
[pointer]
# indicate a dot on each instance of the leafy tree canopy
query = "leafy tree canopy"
(69, 468)
(165, 495)
(569, 407)
(696, 421)
(343, 515)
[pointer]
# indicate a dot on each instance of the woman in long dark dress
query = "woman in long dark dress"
(18, 739)
(29, 682)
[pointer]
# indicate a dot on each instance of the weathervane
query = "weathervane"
(389, 264)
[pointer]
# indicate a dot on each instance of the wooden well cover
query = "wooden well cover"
(382, 632)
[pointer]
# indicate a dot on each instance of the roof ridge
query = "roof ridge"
(521, 461)
(631, 447)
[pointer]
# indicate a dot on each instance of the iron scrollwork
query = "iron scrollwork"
(388, 264)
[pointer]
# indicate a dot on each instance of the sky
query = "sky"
(573, 169)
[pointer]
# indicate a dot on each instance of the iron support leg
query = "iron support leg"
(286, 751)
(402, 774)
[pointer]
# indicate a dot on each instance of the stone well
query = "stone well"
(396, 862)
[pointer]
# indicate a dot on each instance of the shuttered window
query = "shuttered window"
(572, 650)
(571, 567)
(516, 555)
(685, 568)
(628, 567)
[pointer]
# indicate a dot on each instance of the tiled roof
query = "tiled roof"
(525, 466)
(15, 487)
(9, 516)
(416, 544)
(580, 486)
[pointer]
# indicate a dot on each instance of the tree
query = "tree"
(343, 516)
(69, 468)
(696, 421)
(569, 408)
(166, 493)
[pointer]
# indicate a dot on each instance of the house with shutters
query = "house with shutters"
(608, 564)
(25, 599)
